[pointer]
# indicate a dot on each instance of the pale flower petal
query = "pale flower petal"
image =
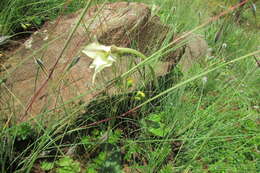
(204, 79)
(95, 49)
(102, 57)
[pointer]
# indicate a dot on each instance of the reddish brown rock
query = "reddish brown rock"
(119, 23)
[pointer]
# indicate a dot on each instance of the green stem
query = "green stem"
(123, 50)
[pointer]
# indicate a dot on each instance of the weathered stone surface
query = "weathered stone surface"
(119, 23)
(195, 51)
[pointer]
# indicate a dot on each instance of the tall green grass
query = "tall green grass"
(26, 15)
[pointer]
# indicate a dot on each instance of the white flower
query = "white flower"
(204, 80)
(224, 45)
(102, 57)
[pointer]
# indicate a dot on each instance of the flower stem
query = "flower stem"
(123, 50)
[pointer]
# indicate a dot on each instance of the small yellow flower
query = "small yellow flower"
(139, 95)
(129, 83)
(25, 26)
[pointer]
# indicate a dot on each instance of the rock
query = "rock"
(118, 23)
(195, 51)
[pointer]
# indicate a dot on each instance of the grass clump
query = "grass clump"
(27, 15)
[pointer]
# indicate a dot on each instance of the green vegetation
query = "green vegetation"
(205, 120)
(28, 15)
(63, 165)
